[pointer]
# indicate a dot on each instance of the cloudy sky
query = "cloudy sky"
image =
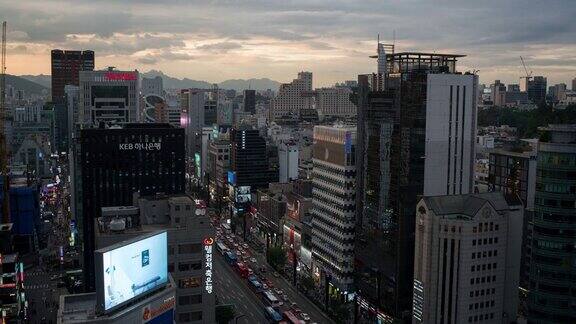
(215, 40)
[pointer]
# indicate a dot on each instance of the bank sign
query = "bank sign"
(162, 313)
(208, 244)
(140, 146)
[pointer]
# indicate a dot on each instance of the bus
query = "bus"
(270, 299)
(272, 315)
(222, 248)
(231, 257)
(255, 284)
(291, 318)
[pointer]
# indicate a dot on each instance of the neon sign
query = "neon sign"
(208, 243)
(120, 76)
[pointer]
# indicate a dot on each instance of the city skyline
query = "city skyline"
(221, 40)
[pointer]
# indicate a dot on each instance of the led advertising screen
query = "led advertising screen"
(130, 269)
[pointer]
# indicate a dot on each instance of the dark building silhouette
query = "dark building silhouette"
(66, 67)
(116, 163)
(250, 101)
(249, 160)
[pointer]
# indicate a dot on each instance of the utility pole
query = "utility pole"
(3, 148)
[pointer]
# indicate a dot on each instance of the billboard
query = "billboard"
(130, 269)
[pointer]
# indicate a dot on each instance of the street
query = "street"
(231, 289)
(256, 260)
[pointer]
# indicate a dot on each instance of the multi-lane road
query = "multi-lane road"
(232, 289)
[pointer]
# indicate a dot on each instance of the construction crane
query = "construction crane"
(3, 150)
(528, 74)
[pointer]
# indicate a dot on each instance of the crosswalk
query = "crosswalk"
(34, 273)
(36, 286)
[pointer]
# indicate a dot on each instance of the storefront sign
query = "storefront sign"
(208, 243)
(149, 312)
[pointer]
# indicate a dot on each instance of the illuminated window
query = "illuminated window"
(190, 282)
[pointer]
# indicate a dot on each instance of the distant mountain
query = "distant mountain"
(42, 79)
(29, 87)
(175, 83)
(255, 84)
(236, 84)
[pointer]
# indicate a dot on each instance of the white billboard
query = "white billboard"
(130, 269)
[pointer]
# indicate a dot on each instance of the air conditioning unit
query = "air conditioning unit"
(117, 224)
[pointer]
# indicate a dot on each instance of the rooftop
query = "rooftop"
(469, 205)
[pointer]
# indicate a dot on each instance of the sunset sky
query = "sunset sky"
(218, 40)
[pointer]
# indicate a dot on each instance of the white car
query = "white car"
(245, 245)
(305, 317)
(253, 260)
(278, 291)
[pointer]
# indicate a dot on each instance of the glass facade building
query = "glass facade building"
(552, 295)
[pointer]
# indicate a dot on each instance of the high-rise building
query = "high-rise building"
(249, 161)
(292, 97)
(558, 92)
(217, 167)
(467, 259)
(190, 246)
(450, 134)
(551, 297)
(288, 161)
(250, 101)
(416, 131)
(109, 96)
(537, 87)
(334, 102)
(114, 163)
(154, 86)
(514, 173)
(334, 207)
(498, 90)
(66, 67)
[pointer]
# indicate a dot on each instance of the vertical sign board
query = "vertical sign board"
(208, 247)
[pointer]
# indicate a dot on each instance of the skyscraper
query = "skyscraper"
(117, 162)
(66, 66)
(416, 129)
(248, 159)
(552, 297)
(537, 87)
(467, 259)
(334, 207)
(250, 101)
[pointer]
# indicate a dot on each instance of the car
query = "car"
(278, 291)
(269, 283)
(280, 303)
(305, 317)
(293, 305)
(297, 310)
(245, 245)
(276, 274)
(54, 277)
(264, 286)
(263, 269)
(240, 249)
(253, 260)
(61, 284)
(285, 297)
(236, 245)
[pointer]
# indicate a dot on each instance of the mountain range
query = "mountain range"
(29, 86)
(175, 83)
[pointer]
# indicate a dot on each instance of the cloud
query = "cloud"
(300, 33)
(220, 47)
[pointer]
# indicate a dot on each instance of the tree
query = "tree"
(224, 313)
(276, 257)
(307, 283)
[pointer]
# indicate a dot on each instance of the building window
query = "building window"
(177, 208)
(190, 299)
(170, 250)
(189, 282)
(170, 267)
(188, 248)
(189, 317)
(188, 207)
(189, 266)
